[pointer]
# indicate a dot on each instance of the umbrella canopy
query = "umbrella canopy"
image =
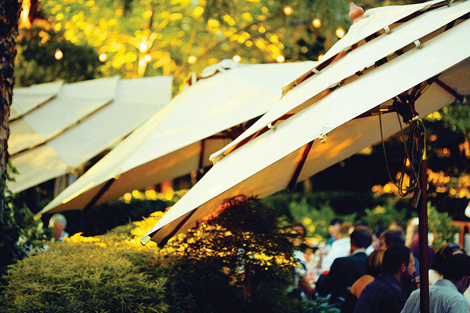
(73, 103)
(179, 139)
(27, 99)
(337, 122)
(132, 102)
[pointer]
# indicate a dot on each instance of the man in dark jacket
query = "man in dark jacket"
(385, 293)
(346, 270)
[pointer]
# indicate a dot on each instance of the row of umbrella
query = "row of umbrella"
(56, 127)
(211, 111)
(268, 126)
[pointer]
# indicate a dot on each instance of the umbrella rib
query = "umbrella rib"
(298, 169)
(173, 232)
(448, 89)
(99, 194)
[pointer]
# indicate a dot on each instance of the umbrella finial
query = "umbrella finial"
(356, 13)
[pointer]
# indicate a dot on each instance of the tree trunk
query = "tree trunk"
(9, 17)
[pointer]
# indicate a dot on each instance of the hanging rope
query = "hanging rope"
(414, 147)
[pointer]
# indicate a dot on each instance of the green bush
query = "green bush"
(97, 276)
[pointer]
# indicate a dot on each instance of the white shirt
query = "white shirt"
(339, 248)
(443, 298)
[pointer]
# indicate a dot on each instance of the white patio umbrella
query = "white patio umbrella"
(179, 139)
(73, 103)
(27, 99)
(423, 75)
(290, 149)
(132, 102)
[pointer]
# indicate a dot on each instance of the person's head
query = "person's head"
(412, 232)
(334, 227)
(376, 242)
(58, 222)
(457, 270)
(344, 230)
(392, 237)
(361, 238)
(443, 253)
(374, 263)
(399, 261)
(296, 234)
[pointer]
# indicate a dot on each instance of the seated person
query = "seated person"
(346, 270)
(339, 248)
(385, 293)
(373, 268)
(446, 294)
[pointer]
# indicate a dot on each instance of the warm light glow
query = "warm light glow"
(148, 58)
(143, 47)
(316, 23)
(58, 54)
(288, 10)
(103, 57)
(237, 58)
(280, 59)
(24, 17)
(127, 197)
(340, 33)
(320, 56)
(192, 59)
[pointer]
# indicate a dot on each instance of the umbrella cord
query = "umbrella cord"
(415, 145)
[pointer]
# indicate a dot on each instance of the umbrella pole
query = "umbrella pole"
(423, 239)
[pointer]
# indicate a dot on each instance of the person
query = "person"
(346, 270)
(340, 248)
(333, 229)
(442, 254)
(446, 294)
(385, 294)
(412, 242)
(392, 237)
(376, 242)
(301, 289)
(373, 269)
(59, 223)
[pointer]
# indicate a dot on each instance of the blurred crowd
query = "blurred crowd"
(361, 270)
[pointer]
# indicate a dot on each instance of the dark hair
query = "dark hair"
(336, 221)
(301, 226)
(442, 254)
(361, 237)
(394, 257)
(374, 263)
(456, 267)
(378, 231)
(393, 237)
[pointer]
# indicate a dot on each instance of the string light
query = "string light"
(192, 59)
(58, 54)
(340, 32)
(316, 23)
(320, 56)
(237, 58)
(103, 57)
(280, 59)
(147, 58)
(288, 10)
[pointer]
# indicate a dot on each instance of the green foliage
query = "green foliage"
(439, 225)
(20, 232)
(96, 276)
(105, 217)
(316, 221)
(237, 262)
(384, 216)
(36, 62)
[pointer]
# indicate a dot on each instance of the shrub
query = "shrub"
(102, 274)
(236, 262)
